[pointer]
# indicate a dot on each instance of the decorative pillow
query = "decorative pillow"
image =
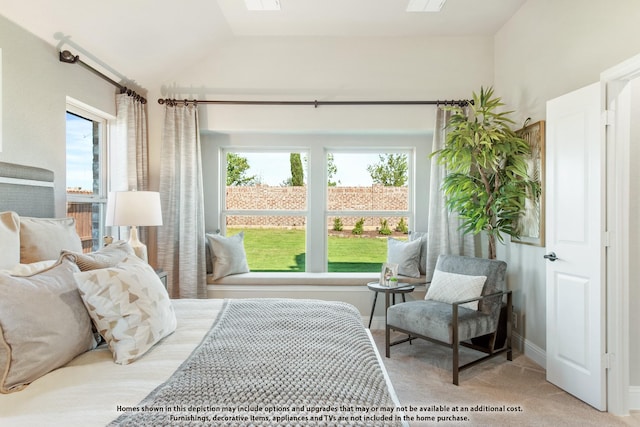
(30, 269)
(43, 324)
(43, 238)
(452, 287)
(129, 306)
(227, 255)
(107, 256)
(406, 255)
(422, 236)
(9, 239)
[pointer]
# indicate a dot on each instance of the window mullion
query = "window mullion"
(316, 202)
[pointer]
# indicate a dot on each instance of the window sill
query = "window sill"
(324, 279)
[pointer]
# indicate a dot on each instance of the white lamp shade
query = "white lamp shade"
(139, 208)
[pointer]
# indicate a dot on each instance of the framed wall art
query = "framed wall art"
(531, 222)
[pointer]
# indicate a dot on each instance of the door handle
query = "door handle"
(551, 256)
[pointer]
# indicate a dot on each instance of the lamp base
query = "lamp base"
(139, 248)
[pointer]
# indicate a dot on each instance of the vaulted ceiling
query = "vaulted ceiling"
(143, 40)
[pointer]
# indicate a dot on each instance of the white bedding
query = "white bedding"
(87, 391)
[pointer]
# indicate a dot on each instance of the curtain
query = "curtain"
(130, 153)
(129, 162)
(181, 240)
(443, 237)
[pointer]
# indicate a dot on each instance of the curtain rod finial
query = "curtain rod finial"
(68, 57)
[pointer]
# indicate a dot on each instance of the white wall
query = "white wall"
(551, 47)
(34, 90)
(634, 237)
(330, 69)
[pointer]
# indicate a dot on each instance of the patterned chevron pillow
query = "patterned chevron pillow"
(452, 287)
(129, 306)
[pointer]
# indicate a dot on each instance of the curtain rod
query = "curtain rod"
(69, 58)
(315, 103)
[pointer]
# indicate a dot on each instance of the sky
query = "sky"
(79, 152)
(274, 168)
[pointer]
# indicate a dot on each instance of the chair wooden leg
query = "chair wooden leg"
(387, 341)
(454, 344)
(509, 325)
(456, 362)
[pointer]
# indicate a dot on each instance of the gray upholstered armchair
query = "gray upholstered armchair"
(449, 319)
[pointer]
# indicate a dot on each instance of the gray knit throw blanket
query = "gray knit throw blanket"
(275, 362)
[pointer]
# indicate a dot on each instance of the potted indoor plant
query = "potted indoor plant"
(486, 163)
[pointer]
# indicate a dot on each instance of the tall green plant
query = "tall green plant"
(297, 173)
(486, 181)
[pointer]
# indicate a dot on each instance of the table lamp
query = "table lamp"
(135, 209)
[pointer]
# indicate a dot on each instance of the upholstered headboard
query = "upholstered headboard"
(27, 190)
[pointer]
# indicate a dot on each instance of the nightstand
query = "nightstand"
(163, 277)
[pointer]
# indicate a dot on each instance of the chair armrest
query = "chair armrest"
(481, 297)
(454, 313)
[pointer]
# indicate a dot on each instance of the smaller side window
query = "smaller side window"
(86, 176)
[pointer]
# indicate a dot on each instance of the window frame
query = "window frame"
(417, 145)
(89, 113)
(409, 213)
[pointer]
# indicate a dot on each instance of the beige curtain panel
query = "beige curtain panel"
(181, 241)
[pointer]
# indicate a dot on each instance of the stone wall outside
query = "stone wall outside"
(376, 197)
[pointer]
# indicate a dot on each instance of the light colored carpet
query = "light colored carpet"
(421, 376)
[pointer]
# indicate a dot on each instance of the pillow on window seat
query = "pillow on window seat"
(422, 236)
(227, 255)
(406, 255)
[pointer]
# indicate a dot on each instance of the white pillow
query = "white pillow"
(129, 306)
(422, 236)
(406, 255)
(107, 256)
(43, 325)
(227, 255)
(30, 269)
(9, 239)
(452, 287)
(43, 238)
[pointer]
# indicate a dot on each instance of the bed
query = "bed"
(254, 361)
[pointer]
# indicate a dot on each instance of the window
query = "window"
(266, 198)
(367, 201)
(86, 174)
(344, 180)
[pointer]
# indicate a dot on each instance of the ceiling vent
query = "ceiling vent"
(262, 4)
(425, 5)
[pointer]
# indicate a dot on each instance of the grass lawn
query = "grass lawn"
(277, 249)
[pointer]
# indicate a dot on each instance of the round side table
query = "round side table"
(376, 287)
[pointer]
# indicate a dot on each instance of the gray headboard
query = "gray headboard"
(27, 190)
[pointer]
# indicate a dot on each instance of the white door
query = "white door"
(574, 224)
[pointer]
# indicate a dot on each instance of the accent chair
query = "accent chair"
(464, 305)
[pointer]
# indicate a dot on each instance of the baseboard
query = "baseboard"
(532, 351)
(634, 398)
